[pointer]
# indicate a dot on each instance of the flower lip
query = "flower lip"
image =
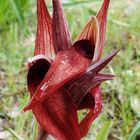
(85, 48)
(38, 67)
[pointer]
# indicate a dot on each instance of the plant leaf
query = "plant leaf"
(135, 131)
(17, 11)
(104, 131)
(61, 34)
(13, 133)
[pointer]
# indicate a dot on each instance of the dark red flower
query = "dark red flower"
(64, 77)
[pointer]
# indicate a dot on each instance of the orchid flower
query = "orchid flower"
(64, 76)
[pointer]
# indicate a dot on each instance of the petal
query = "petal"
(80, 92)
(44, 38)
(95, 68)
(61, 34)
(93, 113)
(80, 86)
(91, 33)
(87, 103)
(102, 19)
(88, 100)
(57, 116)
(67, 65)
(38, 67)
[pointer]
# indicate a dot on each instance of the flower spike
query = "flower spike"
(64, 78)
(61, 34)
(44, 40)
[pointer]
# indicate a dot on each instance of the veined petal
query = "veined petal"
(95, 68)
(81, 85)
(91, 33)
(44, 38)
(37, 68)
(61, 34)
(93, 113)
(57, 116)
(88, 100)
(57, 113)
(80, 92)
(66, 66)
(102, 19)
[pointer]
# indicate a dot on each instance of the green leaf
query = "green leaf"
(75, 3)
(13, 133)
(135, 131)
(104, 131)
(35, 126)
(18, 12)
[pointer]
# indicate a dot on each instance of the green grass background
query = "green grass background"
(121, 97)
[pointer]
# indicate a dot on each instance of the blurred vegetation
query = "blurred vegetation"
(121, 96)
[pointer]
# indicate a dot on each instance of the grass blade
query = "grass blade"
(71, 4)
(13, 133)
(135, 131)
(104, 131)
(18, 12)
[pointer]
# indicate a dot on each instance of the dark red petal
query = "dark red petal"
(80, 86)
(44, 38)
(37, 68)
(87, 102)
(93, 114)
(61, 34)
(57, 116)
(66, 66)
(105, 76)
(102, 19)
(80, 92)
(95, 68)
(91, 33)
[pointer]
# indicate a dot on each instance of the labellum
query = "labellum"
(64, 77)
